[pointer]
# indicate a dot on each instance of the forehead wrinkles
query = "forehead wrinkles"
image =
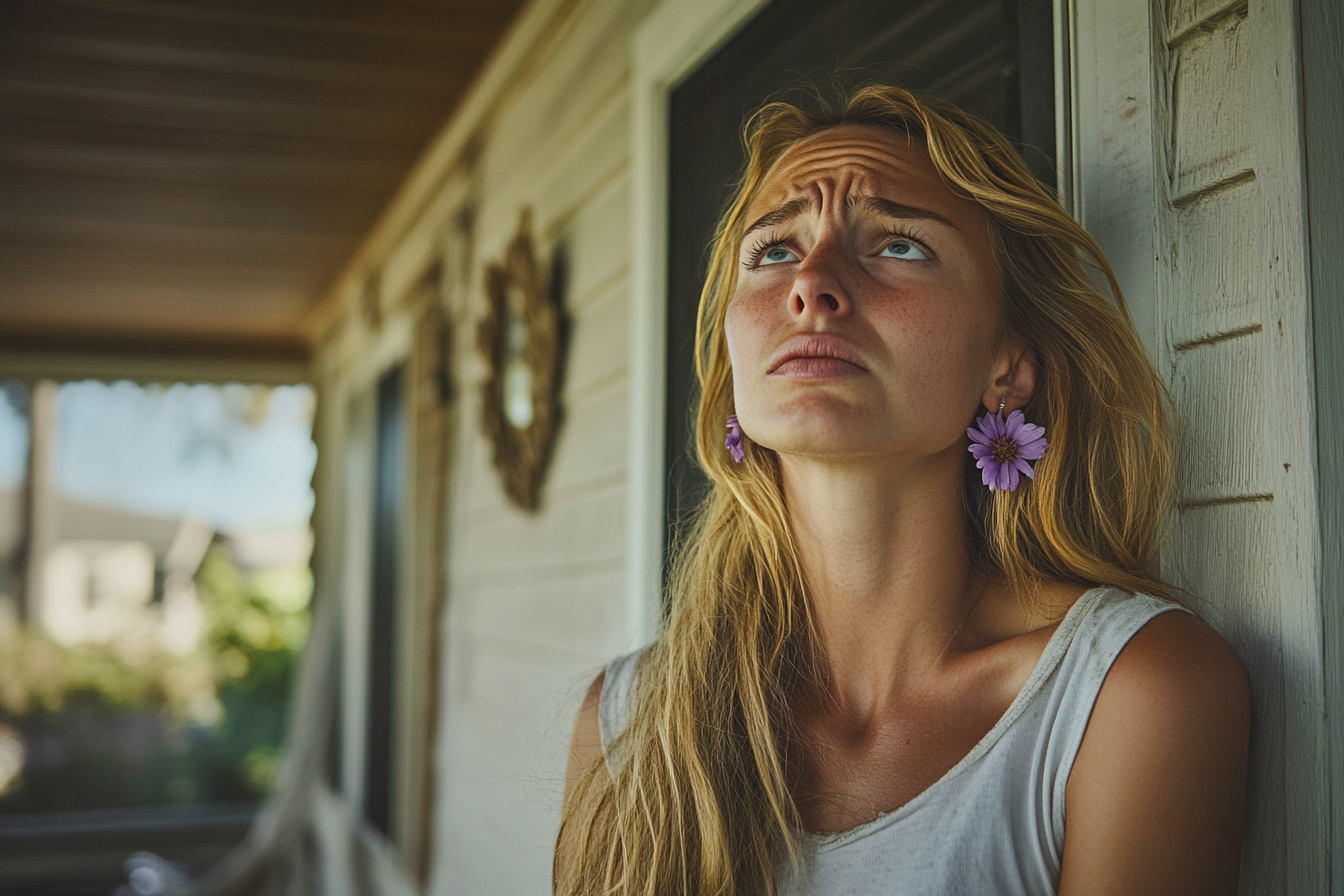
(835, 167)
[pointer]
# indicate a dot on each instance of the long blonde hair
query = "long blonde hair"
(698, 799)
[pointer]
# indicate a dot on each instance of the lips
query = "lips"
(816, 355)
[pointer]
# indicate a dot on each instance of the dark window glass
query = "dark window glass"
(389, 501)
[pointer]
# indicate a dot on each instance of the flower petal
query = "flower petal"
(1025, 468)
(989, 472)
(978, 436)
(980, 450)
(1008, 478)
(1015, 422)
(1030, 432)
(1032, 450)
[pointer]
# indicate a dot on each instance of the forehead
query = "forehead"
(858, 160)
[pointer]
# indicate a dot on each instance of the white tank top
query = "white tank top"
(994, 824)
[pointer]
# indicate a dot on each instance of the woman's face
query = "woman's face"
(865, 321)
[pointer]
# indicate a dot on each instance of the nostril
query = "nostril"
(831, 302)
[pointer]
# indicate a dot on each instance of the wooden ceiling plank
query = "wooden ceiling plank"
(442, 82)
(39, 210)
(409, 22)
(113, 167)
(97, 104)
(395, 68)
(197, 167)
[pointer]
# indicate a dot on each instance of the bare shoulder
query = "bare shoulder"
(1156, 796)
(585, 750)
(1176, 671)
(585, 747)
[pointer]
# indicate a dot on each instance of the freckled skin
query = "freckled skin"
(926, 330)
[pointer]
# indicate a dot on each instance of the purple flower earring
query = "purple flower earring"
(1003, 447)
(734, 443)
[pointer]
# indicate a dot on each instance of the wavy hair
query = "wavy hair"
(697, 797)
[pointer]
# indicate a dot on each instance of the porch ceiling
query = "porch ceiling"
(190, 175)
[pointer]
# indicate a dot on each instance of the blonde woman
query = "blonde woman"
(915, 645)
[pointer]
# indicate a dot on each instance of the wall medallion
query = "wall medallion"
(520, 338)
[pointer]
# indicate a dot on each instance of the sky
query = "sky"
(236, 456)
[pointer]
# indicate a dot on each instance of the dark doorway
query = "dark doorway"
(389, 503)
(994, 58)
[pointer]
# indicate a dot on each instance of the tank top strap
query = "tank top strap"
(1106, 620)
(614, 704)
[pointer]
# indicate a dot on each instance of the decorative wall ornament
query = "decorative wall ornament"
(521, 339)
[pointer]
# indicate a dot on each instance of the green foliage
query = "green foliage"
(100, 731)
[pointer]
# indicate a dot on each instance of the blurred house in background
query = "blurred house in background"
(130, 592)
(454, 631)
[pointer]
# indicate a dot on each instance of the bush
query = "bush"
(100, 732)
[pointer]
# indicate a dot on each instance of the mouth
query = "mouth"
(814, 356)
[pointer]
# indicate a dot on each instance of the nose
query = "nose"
(819, 286)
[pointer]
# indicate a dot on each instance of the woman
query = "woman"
(893, 665)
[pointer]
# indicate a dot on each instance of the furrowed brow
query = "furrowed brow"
(902, 212)
(791, 209)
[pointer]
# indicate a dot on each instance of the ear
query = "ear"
(1014, 378)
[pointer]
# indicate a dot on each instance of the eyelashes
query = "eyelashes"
(763, 244)
(768, 241)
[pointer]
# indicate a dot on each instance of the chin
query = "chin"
(817, 431)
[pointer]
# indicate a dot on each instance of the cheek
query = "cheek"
(745, 325)
(941, 342)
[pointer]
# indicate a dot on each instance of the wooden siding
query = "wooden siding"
(535, 603)
(1192, 178)
(1234, 342)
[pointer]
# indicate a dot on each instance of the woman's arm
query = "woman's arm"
(585, 749)
(1157, 795)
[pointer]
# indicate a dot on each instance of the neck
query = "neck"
(891, 585)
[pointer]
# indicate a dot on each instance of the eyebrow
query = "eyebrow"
(791, 209)
(795, 207)
(898, 210)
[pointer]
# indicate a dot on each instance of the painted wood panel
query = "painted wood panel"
(599, 243)
(1219, 392)
(557, 174)
(1223, 554)
(580, 530)
(539, 601)
(1322, 32)
(1185, 15)
(499, 839)
(595, 157)
(592, 450)
(529, 611)
(562, 94)
(599, 344)
(1234, 323)
(1211, 109)
(1215, 265)
(530, 689)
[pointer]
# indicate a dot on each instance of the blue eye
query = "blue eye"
(776, 255)
(904, 249)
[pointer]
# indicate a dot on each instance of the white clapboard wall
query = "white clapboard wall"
(1190, 160)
